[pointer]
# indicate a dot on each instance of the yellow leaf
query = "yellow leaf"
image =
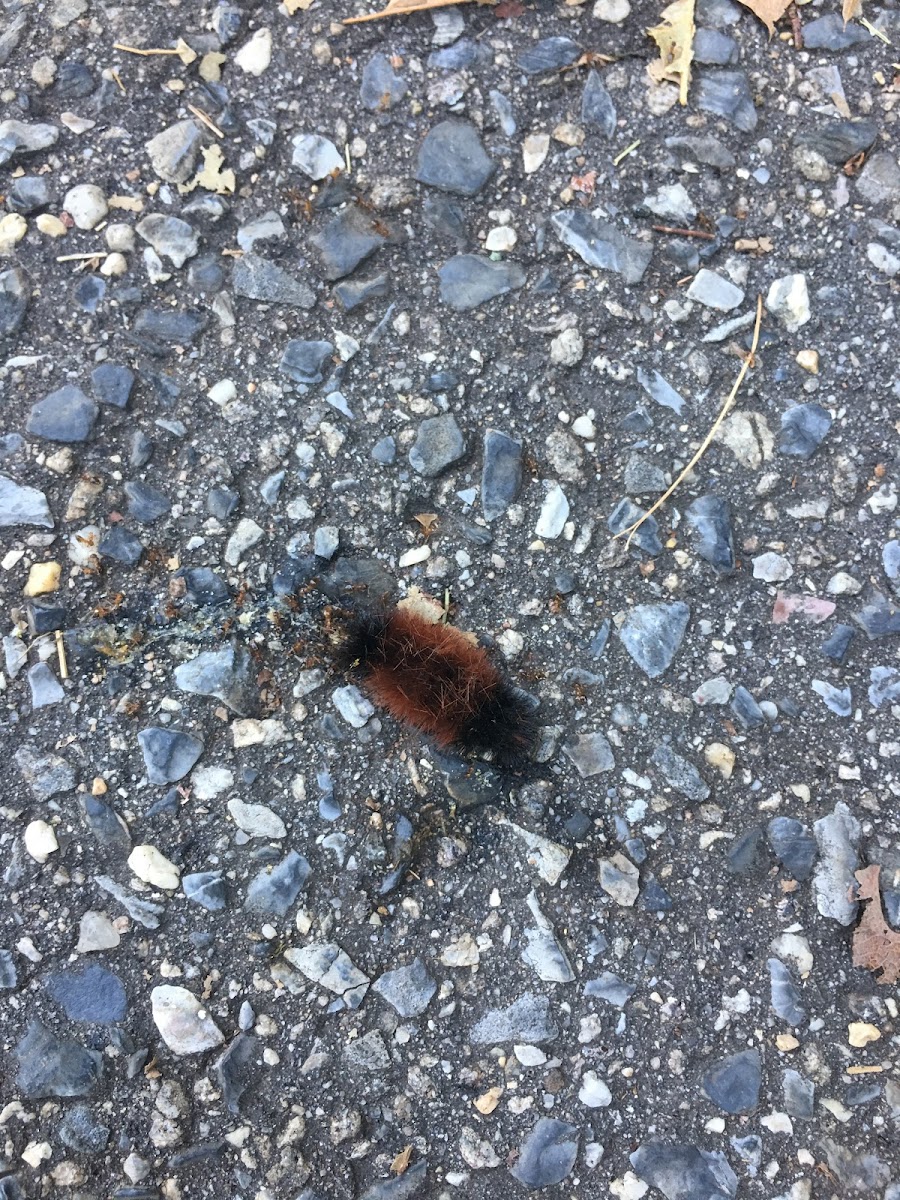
(184, 52)
(675, 38)
(768, 11)
(294, 6)
(211, 176)
(396, 8)
(851, 9)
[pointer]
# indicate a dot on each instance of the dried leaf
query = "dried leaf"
(294, 6)
(401, 1162)
(508, 10)
(851, 9)
(399, 8)
(428, 521)
(675, 38)
(875, 945)
(211, 176)
(768, 11)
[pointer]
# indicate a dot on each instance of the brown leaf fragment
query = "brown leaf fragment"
(851, 9)
(876, 946)
(675, 38)
(401, 1162)
(428, 521)
(768, 11)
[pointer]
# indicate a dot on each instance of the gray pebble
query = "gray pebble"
(785, 996)
(21, 505)
(733, 1083)
(206, 888)
(501, 473)
(258, 279)
(66, 415)
(223, 674)
(381, 87)
(468, 280)
(347, 240)
(600, 244)
(793, 845)
(527, 1019)
(169, 754)
(627, 513)
(549, 54)
(611, 988)
(112, 385)
(305, 362)
(597, 107)
(802, 429)
(45, 688)
(52, 1066)
(652, 634)
(89, 994)
(274, 891)
(680, 774)
(408, 990)
(548, 1153)
(174, 151)
(439, 443)
(728, 94)
(453, 159)
(145, 503)
(710, 518)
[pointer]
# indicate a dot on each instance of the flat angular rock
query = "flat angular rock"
(879, 180)
(710, 518)
(347, 240)
(625, 515)
(468, 280)
(81, 1131)
(408, 990)
(182, 1021)
(832, 33)
(785, 997)
(206, 888)
(170, 237)
(597, 107)
(680, 774)
(839, 141)
(15, 292)
(316, 156)
(793, 845)
(439, 443)
(714, 291)
(91, 994)
(878, 617)
(803, 428)
(66, 415)
(305, 362)
(167, 327)
(258, 279)
(224, 674)
(112, 384)
(683, 1172)
(381, 87)
(353, 293)
(453, 159)
(146, 504)
(591, 754)
(600, 244)
(169, 754)
(728, 94)
(173, 152)
(399, 1187)
(47, 775)
(610, 988)
(328, 965)
(18, 138)
(231, 1069)
(547, 1155)
(619, 878)
(276, 890)
(52, 1066)
(549, 54)
(45, 687)
(121, 545)
(527, 1019)
(799, 1095)
(501, 473)
(22, 505)
(708, 150)
(834, 881)
(652, 634)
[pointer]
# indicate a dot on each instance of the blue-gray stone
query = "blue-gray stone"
(527, 1019)
(453, 159)
(112, 385)
(305, 362)
(141, 449)
(462, 54)
(839, 700)
(206, 888)
(9, 977)
(652, 634)
(660, 390)
(468, 280)
(733, 1083)
(352, 293)
(715, 49)
(74, 81)
(597, 107)
(121, 546)
(10, 444)
(728, 94)
(439, 443)
(642, 476)
(600, 244)
(785, 994)
(91, 994)
(257, 278)
(275, 891)
(793, 845)
(15, 293)
(206, 275)
(21, 505)
(832, 33)
(408, 990)
(167, 327)
(385, 451)
(28, 194)
(168, 753)
(627, 513)
(400, 1187)
(680, 774)
(104, 823)
(204, 586)
(44, 616)
(501, 473)
(88, 293)
(549, 54)
(223, 674)
(655, 898)
(802, 429)
(745, 708)
(20, 137)
(381, 86)
(611, 988)
(226, 21)
(708, 150)
(347, 240)
(47, 775)
(858, 1173)
(232, 1066)
(799, 1095)
(710, 518)
(839, 141)
(890, 557)
(878, 617)
(45, 687)
(742, 854)
(838, 643)
(51, 1066)
(146, 504)
(548, 1153)
(66, 415)
(446, 217)
(221, 502)
(81, 1131)
(885, 686)
(599, 640)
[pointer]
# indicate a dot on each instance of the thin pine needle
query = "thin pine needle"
(704, 445)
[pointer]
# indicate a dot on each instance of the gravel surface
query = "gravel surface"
(298, 310)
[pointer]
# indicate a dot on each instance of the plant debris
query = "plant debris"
(399, 8)
(768, 11)
(876, 946)
(675, 38)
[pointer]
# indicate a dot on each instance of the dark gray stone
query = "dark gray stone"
(18, 138)
(799, 1095)
(226, 21)
(527, 1019)
(221, 502)
(91, 994)
(680, 774)
(206, 888)
(453, 159)
(447, 218)
(88, 293)
(400, 1187)
(381, 87)
(9, 977)
(685, 1173)
(836, 646)
(305, 362)
(728, 94)
(652, 634)
(145, 503)
(439, 443)
(878, 617)
(710, 518)
(21, 505)
(793, 845)
(839, 141)
(352, 293)
(715, 49)
(707, 150)
(597, 107)
(742, 855)
(745, 708)
(408, 990)
(862, 1173)
(46, 774)
(549, 54)
(627, 513)
(232, 1069)
(347, 240)
(169, 754)
(223, 674)
(600, 244)
(785, 994)
(385, 451)
(121, 545)
(468, 280)
(104, 823)
(610, 988)
(548, 1153)
(28, 194)
(501, 473)
(141, 450)
(733, 1083)
(276, 890)
(206, 275)
(156, 327)
(204, 586)
(885, 686)
(51, 1066)
(112, 385)
(259, 279)
(655, 898)
(66, 415)
(643, 477)
(830, 33)
(81, 1131)
(802, 429)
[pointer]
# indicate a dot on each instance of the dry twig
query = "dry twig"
(399, 8)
